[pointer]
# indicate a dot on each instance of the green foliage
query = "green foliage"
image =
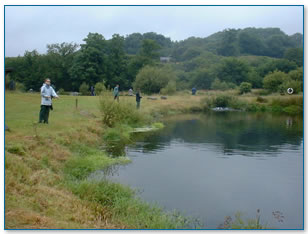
(198, 60)
(218, 85)
(152, 79)
(295, 55)
(202, 79)
(169, 89)
(149, 49)
(261, 99)
(283, 65)
(20, 87)
(84, 89)
(125, 207)
(99, 88)
(114, 113)
(16, 149)
(222, 100)
(273, 80)
(232, 70)
(61, 92)
(245, 87)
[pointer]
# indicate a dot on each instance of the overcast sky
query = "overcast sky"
(33, 27)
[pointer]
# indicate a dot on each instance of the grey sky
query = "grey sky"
(33, 27)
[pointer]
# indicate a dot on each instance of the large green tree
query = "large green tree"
(91, 62)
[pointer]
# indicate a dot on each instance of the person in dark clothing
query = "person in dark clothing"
(92, 91)
(47, 93)
(193, 91)
(138, 98)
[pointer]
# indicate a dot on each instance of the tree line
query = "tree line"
(221, 61)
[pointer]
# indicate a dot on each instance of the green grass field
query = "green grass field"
(47, 165)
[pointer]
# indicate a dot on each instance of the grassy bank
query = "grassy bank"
(46, 170)
(47, 166)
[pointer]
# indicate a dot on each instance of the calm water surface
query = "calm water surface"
(211, 166)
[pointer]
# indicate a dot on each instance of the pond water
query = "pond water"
(214, 165)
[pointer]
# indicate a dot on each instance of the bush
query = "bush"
(99, 87)
(261, 99)
(273, 80)
(221, 101)
(84, 89)
(119, 113)
(152, 79)
(294, 84)
(245, 87)
(218, 85)
(169, 89)
(61, 92)
(20, 87)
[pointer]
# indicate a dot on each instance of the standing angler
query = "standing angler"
(47, 92)
(138, 98)
(116, 93)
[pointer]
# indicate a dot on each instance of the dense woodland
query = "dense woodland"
(262, 57)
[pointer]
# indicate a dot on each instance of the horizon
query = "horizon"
(173, 41)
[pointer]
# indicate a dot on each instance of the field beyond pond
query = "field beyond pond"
(47, 166)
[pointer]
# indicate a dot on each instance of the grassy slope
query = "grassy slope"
(37, 158)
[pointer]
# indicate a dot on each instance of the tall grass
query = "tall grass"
(123, 112)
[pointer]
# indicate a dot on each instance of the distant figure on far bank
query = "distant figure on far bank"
(138, 98)
(92, 91)
(130, 92)
(116, 92)
(193, 91)
(47, 93)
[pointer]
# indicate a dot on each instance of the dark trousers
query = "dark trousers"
(44, 114)
(138, 105)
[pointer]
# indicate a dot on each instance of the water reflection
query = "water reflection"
(231, 132)
(211, 166)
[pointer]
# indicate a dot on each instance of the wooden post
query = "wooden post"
(76, 103)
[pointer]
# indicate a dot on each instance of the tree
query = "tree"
(99, 88)
(150, 49)
(232, 70)
(117, 65)
(152, 79)
(84, 89)
(60, 58)
(91, 62)
(273, 80)
(295, 55)
(218, 85)
(250, 44)
(228, 46)
(202, 79)
(245, 87)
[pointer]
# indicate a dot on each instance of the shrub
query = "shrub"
(218, 85)
(296, 85)
(261, 99)
(152, 79)
(99, 87)
(245, 87)
(119, 113)
(20, 87)
(84, 89)
(273, 80)
(221, 101)
(169, 89)
(61, 92)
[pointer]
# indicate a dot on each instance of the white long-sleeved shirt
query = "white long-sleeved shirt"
(47, 91)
